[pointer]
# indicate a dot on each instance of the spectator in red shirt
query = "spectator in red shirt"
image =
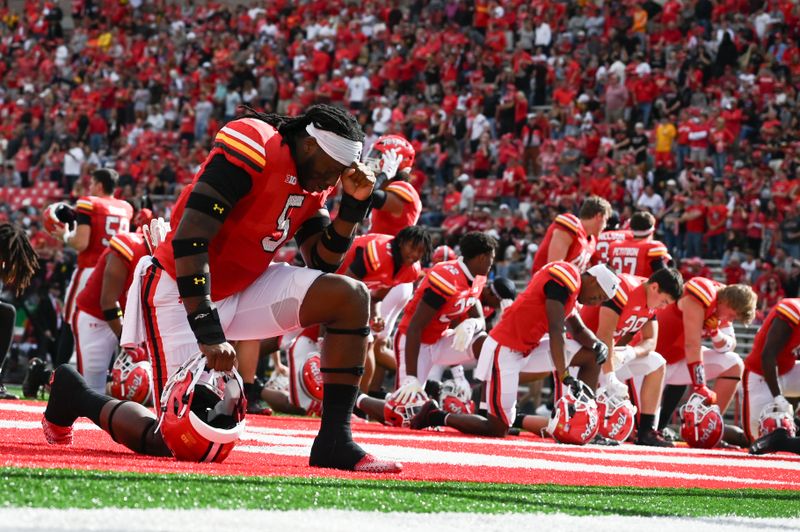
(717, 216)
(694, 217)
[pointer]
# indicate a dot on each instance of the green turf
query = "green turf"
(59, 488)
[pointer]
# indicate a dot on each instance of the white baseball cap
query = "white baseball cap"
(605, 278)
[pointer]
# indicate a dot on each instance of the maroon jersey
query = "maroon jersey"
(380, 267)
(262, 220)
(452, 281)
(108, 216)
(787, 310)
(129, 247)
(523, 324)
(630, 303)
(580, 250)
(384, 222)
(636, 257)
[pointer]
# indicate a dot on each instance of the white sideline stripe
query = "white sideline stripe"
(293, 446)
(747, 462)
(305, 442)
(11, 407)
(198, 520)
(429, 456)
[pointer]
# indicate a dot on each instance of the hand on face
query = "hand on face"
(358, 181)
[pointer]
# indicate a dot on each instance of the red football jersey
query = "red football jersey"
(379, 261)
(130, 247)
(385, 223)
(523, 324)
(454, 282)
(671, 344)
(109, 216)
(580, 251)
(605, 239)
(789, 311)
(635, 257)
(630, 303)
(261, 221)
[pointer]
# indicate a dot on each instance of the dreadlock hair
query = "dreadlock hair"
(18, 260)
(416, 235)
(328, 117)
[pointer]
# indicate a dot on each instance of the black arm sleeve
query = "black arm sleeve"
(557, 292)
(612, 304)
(358, 267)
(433, 299)
(311, 227)
(657, 264)
(229, 180)
(83, 219)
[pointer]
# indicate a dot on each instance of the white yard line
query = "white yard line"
(198, 520)
(462, 459)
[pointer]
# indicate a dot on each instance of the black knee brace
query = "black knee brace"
(355, 370)
(360, 331)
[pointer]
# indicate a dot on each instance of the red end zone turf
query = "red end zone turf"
(279, 446)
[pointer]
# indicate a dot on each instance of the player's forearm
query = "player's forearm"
(646, 346)
(413, 343)
(770, 369)
(557, 353)
(693, 351)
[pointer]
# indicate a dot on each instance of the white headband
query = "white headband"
(340, 149)
(605, 278)
(643, 233)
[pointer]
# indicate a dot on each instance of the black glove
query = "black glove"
(600, 350)
(577, 386)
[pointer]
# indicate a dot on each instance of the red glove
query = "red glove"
(698, 375)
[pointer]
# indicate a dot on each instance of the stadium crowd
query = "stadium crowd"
(517, 111)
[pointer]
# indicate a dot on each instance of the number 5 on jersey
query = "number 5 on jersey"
(276, 239)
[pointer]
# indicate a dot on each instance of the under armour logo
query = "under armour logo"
(199, 280)
(218, 208)
(292, 180)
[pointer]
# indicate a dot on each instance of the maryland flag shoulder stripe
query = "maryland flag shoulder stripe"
(241, 146)
(84, 205)
(373, 260)
(568, 222)
(404, 190)
(790, 311)
(701, 292)
(122, 248)
(441, 284)
(564, 277)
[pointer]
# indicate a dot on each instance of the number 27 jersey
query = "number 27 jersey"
(263, 220)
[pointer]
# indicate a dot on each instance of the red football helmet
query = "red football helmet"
(311, 377)
(574, 419)
(202, 412)
(617, 416)
(396, 414)
(442, 253)
(132, 376)
(50, 216)
(774, 418)
(701, 425)
(374, 159)
(456, 399)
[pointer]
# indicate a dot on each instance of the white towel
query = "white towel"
(133, 329)
(483, 371)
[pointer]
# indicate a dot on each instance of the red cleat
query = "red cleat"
(56, 434)
(370, 464)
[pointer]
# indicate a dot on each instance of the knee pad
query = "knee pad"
(359, 331)
(355, 370)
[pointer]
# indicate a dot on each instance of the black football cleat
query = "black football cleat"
(422, 419)
(5, 394)
(769, 443)
(259, 408)
(36, 376)
(653, 438)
